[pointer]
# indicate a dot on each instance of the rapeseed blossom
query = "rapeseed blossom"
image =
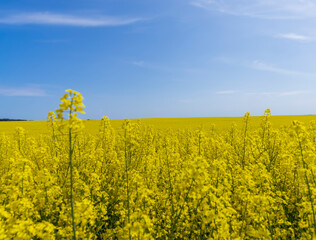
(144, 183)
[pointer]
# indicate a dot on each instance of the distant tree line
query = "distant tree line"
(9, 119)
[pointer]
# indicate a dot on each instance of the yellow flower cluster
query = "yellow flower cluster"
(71, 103)
(144, 183)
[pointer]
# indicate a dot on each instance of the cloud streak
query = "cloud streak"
(159, 67)
(292, 93)
(267, 9)
(263, 66)
(225, 92)
(22, 92)
(47, 18)
(280, 94)
(258, 65)
(294, 36)
(138, 63)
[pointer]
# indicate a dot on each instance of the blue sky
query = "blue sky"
(166, 58)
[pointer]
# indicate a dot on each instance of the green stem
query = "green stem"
(127, 186)
(244, 147)
(71, 185)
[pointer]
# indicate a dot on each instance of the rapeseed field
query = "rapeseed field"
(36, 128)
(245, 180)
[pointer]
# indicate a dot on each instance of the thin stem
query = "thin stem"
(244, 148)
(127, 185)
(71, 184)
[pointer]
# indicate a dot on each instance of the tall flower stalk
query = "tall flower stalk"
(71, 103)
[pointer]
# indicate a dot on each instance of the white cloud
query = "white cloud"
(280, 94)
(294, 36)
(46, 18)
(262, 66)
(52, 40)
(23, 92)
(206, 4)
(138, 63)
(268, 93)
(269, 9)
(270, 68)
(291, 93)
(226, 92)
(160, 67)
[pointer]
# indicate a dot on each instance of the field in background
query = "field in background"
(253, 181)
(219, 123)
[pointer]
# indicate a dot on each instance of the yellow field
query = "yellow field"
(246, 181)
(218, 123)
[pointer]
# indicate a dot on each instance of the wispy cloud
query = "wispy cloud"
(138, 63)
(291, 93)
(52, 40)
(205, 4)
(268, 9)
(34, 91)
(226, 92)
(270, 68)
(47, 18)
(262, 66)
(294, 36)
(160, 67)
(280, 94)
